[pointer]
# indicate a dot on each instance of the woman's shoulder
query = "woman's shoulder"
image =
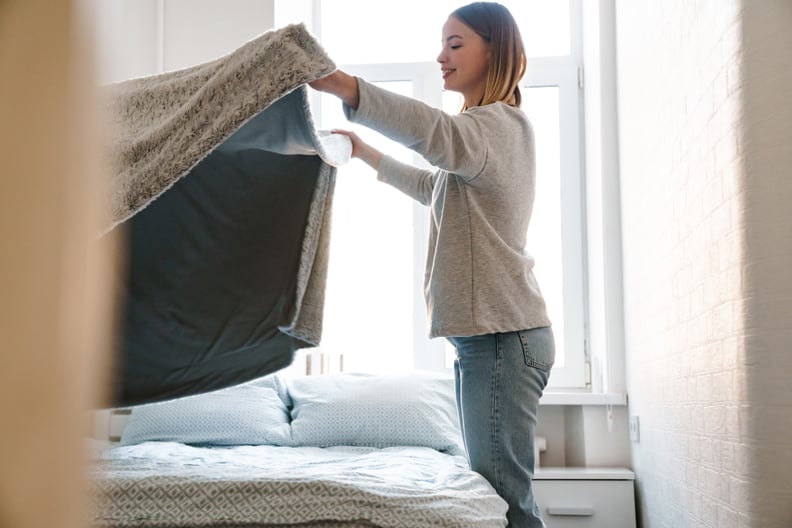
(498, 109)
(501, 115)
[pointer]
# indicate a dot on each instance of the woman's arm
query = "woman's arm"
(416, 183)
(362, 150)
(412, 181)
(458, 143)
(340, 84)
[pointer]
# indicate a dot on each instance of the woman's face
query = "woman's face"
(463, 60)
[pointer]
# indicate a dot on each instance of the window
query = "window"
(375, 315)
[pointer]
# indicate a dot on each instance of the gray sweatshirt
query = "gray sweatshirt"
(479, 278)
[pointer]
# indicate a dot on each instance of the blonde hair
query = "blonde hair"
(495, 24)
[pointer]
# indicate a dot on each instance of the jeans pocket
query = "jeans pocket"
(538, 347)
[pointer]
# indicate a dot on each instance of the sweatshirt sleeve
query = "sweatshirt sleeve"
(454, 143)
(412, 181)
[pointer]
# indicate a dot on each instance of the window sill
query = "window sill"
(583, 398)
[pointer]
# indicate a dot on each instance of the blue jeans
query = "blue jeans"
(499, 380)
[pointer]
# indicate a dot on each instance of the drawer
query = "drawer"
(586, 503)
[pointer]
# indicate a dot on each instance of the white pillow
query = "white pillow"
(417, 409)
(251, 414)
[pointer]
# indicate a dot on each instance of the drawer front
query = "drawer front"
(586, 503)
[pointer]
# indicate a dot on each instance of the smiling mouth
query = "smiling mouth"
(446, 73)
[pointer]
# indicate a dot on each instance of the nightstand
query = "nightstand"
(585, 497)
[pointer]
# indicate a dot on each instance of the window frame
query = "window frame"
(566, 74)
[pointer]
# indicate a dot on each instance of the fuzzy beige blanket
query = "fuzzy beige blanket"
(162, 126)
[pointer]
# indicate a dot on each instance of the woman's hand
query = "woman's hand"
(362, 150)
(326, 84)
(340, 84)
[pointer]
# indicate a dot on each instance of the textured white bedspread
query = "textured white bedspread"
(171, 484)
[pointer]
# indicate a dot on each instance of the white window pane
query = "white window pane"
(449, 356)
(544, 234)
(452, 102)
(366, 32)
(369, 300)
(544, 26)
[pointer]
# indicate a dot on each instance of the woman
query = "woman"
(480, 289)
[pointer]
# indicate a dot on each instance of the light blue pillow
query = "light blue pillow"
(251, 414)
(416, 409)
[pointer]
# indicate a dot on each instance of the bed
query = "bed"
(335, 450)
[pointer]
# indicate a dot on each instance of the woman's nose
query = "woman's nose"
(441, 58)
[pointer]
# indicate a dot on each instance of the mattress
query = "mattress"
(158, 484)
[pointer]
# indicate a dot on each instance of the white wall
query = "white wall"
(127, 38)
(708, 304)
(144, 37)
(200, 30)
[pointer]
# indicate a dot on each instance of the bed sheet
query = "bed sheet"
(175, 485)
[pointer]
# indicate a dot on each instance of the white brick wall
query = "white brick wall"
(766, 150)
(706, 179)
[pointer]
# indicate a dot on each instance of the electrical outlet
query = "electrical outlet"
(635, 429)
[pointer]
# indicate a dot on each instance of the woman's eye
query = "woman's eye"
(456, 47)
